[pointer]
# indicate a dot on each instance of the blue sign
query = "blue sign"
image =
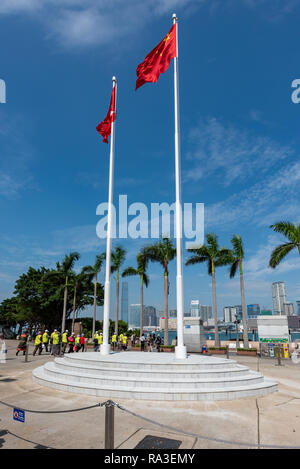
(19, 415)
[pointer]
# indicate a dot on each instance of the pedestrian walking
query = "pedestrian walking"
(120, 341)
(64, 341)
(82, 342)
(55, 343)
(124, 342)
(71, 341)
(100, 341)
(77, 343)
(46, 340)
(22, 345)
(95, 339)
(149, 343)
(38, 343)
(158, 342)
(114, 341)
(142, 340)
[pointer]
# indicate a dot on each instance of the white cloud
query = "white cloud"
(74, 23)
(229, 153)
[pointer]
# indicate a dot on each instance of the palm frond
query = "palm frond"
(279, 253)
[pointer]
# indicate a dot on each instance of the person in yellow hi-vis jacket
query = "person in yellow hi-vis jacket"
(45, 339)
(64, 340)
(124, 342)
(120, 341)
(77, 343)
(100, 341)
(114, 341)
(38, 343)
(95, 338)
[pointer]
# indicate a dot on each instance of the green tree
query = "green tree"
(292, 233)
(237, 263)
(95, 270)
(163, 252)
(117, 259)
(142, 261)
(214, 256)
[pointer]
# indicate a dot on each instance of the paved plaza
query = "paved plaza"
(270, 420)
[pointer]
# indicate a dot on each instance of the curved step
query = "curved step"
(162, 381)
(239, 370)
(234, 392)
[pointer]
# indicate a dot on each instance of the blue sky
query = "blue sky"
(239, 132)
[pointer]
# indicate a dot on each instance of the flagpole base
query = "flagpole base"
(105, 349)
(180, 352)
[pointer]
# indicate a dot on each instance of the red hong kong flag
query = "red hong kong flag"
(104, 128)
(158, 60)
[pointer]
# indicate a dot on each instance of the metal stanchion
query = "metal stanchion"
(227, 351)
(109, 425)
(27, 347)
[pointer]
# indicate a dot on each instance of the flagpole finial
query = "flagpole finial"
(174, 18)
(114, 79)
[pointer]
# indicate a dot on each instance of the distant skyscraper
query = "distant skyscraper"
(279, 297)
(298, 308)
(288, 309)
(134, 316)
(124, 302)
(195, 309)
(205, 312)
(239, 312)
(229, 313)
(173, 313)
(253, 311)
(200, 311)
(149, 316)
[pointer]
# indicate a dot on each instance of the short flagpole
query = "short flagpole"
(105, 347)
(180, 349)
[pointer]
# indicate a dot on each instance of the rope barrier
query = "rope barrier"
(110, 403)
(204, 437)
(53, 411)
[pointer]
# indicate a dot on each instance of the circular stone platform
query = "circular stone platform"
(153, 376)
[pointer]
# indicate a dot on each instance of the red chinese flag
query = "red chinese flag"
(158, 60)
(104, 128)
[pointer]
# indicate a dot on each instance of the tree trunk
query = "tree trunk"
(95, 305)
(63, 324)
(142, 308)
(74, 307)
(166, 309)
(217, 340)
(244, 311)
(117, 306)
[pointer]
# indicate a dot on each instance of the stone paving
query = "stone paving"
(234, 421)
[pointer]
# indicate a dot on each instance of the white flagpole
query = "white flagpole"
(105, 347)
(180, 349)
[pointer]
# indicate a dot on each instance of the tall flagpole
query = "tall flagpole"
(180, 349)
(105, 347)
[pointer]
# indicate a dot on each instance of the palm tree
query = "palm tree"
(117, 259)
(292, 233)
(79, 282)
(163, 252)
(237, 262)
(94, 270)
(215, 257)
(142, 261)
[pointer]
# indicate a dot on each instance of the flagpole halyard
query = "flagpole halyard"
(180, 349)
(105, 347)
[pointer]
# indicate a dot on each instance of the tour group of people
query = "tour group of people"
(57, 343)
